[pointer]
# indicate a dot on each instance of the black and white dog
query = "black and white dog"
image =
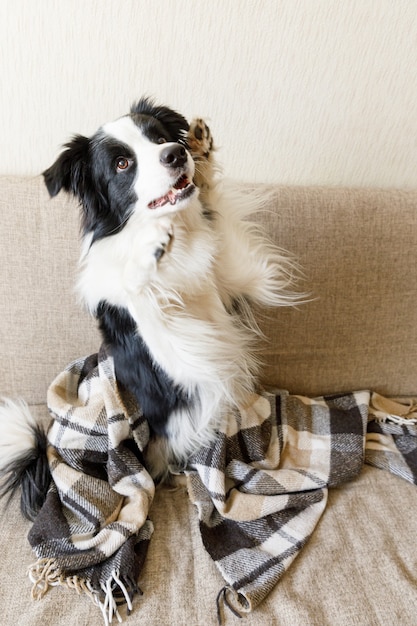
(170, 266)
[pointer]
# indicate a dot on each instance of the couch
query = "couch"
(358, 331)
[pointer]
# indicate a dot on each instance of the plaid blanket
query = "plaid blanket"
(260, 488)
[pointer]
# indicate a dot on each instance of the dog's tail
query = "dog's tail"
(23, 462)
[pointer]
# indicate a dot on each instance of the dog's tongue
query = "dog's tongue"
(172, 195)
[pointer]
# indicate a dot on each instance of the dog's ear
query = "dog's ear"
(69, 170)
(173, 121)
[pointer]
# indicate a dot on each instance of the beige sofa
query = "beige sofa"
(358, 252)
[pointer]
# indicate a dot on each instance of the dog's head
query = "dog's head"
(136, 164)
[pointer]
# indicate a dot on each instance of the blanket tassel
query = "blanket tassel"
(116, 592)
(221, 601)
(45, 573)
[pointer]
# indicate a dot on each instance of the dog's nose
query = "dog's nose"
(173, 156)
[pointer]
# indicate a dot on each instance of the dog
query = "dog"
(171, 266)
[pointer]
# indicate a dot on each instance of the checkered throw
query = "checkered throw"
(260, 488)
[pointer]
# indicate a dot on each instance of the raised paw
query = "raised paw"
(200, 143)
(200, 140)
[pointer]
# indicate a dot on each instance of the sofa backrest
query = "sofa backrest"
(357, 250)
(42, 327)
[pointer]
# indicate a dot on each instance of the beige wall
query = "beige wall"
(298, 91)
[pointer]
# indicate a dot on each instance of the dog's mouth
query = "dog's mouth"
(182, 189)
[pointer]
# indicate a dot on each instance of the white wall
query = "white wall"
(298, 91)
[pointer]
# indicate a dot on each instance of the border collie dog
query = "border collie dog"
(170, 267)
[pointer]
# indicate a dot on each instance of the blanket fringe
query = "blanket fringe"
(109, 606)
(45, 574)
(387, 410)
(221, 601)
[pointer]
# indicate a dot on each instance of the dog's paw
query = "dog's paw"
(166, 235)
(200, 140)
(152, 245)
(201, 146)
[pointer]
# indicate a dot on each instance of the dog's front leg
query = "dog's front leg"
(149, 247)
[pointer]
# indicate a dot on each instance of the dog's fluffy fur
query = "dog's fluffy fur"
(170, 267)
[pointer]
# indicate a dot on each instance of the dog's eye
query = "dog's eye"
(162, 140)
(122, 163)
